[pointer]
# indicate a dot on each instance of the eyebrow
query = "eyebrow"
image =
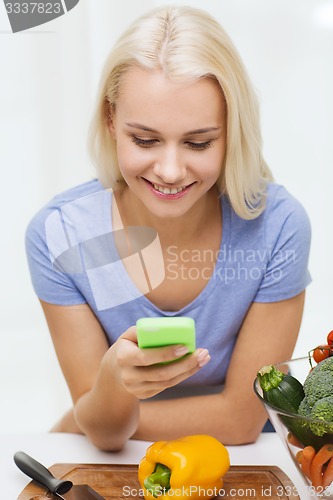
(191, 132)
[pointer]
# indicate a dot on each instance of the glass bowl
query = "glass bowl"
(296, 432)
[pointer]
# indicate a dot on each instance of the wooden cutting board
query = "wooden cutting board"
(120, 482)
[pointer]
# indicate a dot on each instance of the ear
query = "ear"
(111, 124)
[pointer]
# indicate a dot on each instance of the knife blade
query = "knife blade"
(77, 493)
(59, 487)
(82, 492)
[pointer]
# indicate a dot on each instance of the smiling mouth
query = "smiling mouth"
(166, 190)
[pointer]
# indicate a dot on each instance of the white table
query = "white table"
(52, 448)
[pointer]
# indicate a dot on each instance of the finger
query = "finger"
(131, 354)
(157, 355)
(203, 357)
(179, 368)
(130, 334)
(147, 381)
(150, 389)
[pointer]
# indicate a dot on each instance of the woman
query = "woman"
(184, 220)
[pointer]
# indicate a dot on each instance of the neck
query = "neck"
(177, 230)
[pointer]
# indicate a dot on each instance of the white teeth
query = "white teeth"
(168, 190)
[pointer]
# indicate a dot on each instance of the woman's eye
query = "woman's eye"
(200, 145)
(146, 143)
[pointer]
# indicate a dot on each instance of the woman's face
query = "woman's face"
(171, 139)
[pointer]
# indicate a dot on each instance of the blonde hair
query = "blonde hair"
(188, 44)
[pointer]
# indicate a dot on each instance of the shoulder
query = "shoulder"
(282, 211)
(74, 203)
(284, 220)
(280, 205)
(63, 199)
(285, 217)
(51, 238)
(287, 237)
(75, 193)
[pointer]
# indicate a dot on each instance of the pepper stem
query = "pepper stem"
(158, 481)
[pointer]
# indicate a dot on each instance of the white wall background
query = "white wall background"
(48, 79)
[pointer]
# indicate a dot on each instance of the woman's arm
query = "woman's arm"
(81, 347)
(107, 383)
(235, 416)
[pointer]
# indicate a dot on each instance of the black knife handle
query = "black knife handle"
(41, 474)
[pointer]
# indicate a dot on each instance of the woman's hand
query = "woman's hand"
(107, 383)
(142, 372)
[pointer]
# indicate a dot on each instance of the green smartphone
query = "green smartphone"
(162, 331)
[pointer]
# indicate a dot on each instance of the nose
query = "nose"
(170, 166)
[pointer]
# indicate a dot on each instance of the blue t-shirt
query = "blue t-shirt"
(73, 259)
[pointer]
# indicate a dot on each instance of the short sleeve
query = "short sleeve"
(49, 283)
(288, 238)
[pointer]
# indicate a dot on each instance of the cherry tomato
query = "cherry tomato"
(321, 352)
(330, 338)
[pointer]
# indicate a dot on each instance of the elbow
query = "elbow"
(107, 444)
(237, 435)
(243, 438)
(106, 439)
(249, 433)
(105, 434)
(238, 438)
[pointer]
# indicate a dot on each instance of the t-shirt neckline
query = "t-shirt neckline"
(207, 290)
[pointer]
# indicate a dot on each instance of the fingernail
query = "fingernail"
(203, 357)
(204, 361)
(202, 354)
(181, 351)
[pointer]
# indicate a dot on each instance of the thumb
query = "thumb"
(130, 334)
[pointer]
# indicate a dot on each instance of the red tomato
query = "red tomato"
(321, 352)
(330, 338)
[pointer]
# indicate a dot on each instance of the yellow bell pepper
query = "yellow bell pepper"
(191, 466)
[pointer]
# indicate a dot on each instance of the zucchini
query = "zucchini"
(283, 391)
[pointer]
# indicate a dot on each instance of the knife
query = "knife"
(59, 487)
